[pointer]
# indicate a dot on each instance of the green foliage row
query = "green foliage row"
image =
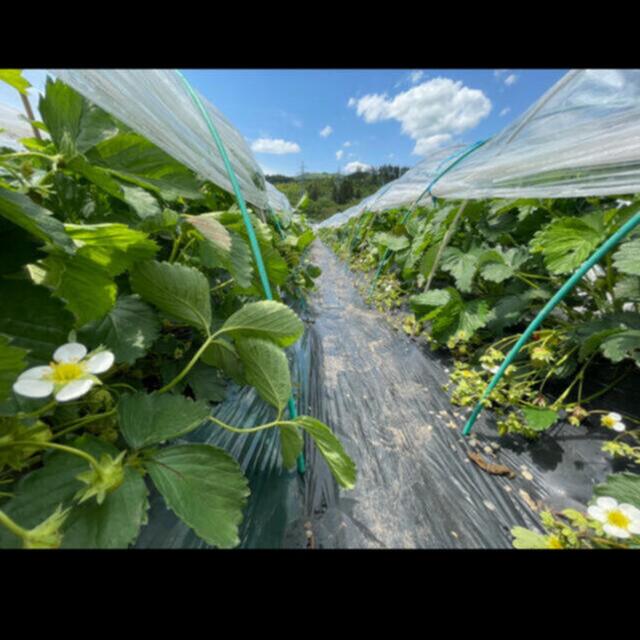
(110, 243)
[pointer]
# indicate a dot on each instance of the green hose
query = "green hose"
(566, 288)
(253, 240)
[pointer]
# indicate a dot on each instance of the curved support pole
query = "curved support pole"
(566, 288)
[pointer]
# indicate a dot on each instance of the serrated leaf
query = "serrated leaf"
(391, 242)
(212, 231)
(340, 464)
(206, 383)
(113, 524)
(627, 258)
(87, 288)
(628, 288)
(205, 487)
(623, 487)
(33, 319)
(267, 369)
(265, 319)
(462, 266)
(539, 419)
(38, 221)
(12, 364)
(621, 345)
(181, 292)
(129, 329)
(74, 123)
(147, 419)
(432, 298)
(493, 267)
(566, 243)
(115, 247)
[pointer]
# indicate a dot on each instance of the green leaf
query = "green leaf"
(341, 465)
(15, 79)
(525, 539)
(305, 239)
(115, 247)
(12, 364)
(623, 487)
(87, 288)
(428, 260)
(493, 267)
(265, 319)
(566, 243)
(181, 292)
(391, 242)
(625, 344)
(275, 265)
(114, 524)
(206, 383)
(462, 266)
(213, 232)
(33, 319)
(267, 369)
(147, 419)
(205, 487)
(539, 419)
(18, 248)
(74, 123)
(628, 288)
(129, 329)
(223, 355)
(291, 444)
(142, 202)
(432, 298)
(627, 258)
(38, 221)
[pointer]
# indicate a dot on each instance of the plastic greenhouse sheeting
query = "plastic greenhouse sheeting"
(581, 138)
(279, 203)
(13, 126)
(155, 103)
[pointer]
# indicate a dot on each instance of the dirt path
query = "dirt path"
(416, 486)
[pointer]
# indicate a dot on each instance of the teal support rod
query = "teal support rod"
(459, 157)
(253, 241)
(566, 288)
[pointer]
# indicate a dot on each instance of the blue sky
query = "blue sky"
(396, 116)
(367, 116)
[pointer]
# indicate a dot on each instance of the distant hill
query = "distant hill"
(332, 192)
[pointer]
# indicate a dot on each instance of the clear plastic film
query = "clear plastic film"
(581, 138)
(279, 203)
(155, 103)
(13, 126)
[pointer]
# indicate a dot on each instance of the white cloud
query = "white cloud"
(274, 145)
(505, 111)
(352, 102)
(354, 166)
(326, 132)
(430, 113)
(498, 72)
(339, 154)
(510, 79)
(415, 76)
(347, 144)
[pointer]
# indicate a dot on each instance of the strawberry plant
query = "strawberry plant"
(130, 300)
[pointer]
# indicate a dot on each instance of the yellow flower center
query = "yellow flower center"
(618, 519)
(608, 421)
(64, 372)
(553, 542)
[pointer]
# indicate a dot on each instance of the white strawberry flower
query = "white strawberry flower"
(70, 375)
(613, 421)
(490, 368)
(619, 520)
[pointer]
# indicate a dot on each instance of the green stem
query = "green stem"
(222, 285)
(60, 447)
(174, 248)
(35, 154)
(12, 526)
(38, 412)
(191, 364)
(228, 427)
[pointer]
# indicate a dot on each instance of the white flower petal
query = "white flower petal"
(74, 389)
(616, 531)
(630, 511)
(32, 388)
(607, 503)
(597, 513)
(70, 352)
(615, 416)
(100, 363)
(619, 426)
(634, 527)
(35, 373)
